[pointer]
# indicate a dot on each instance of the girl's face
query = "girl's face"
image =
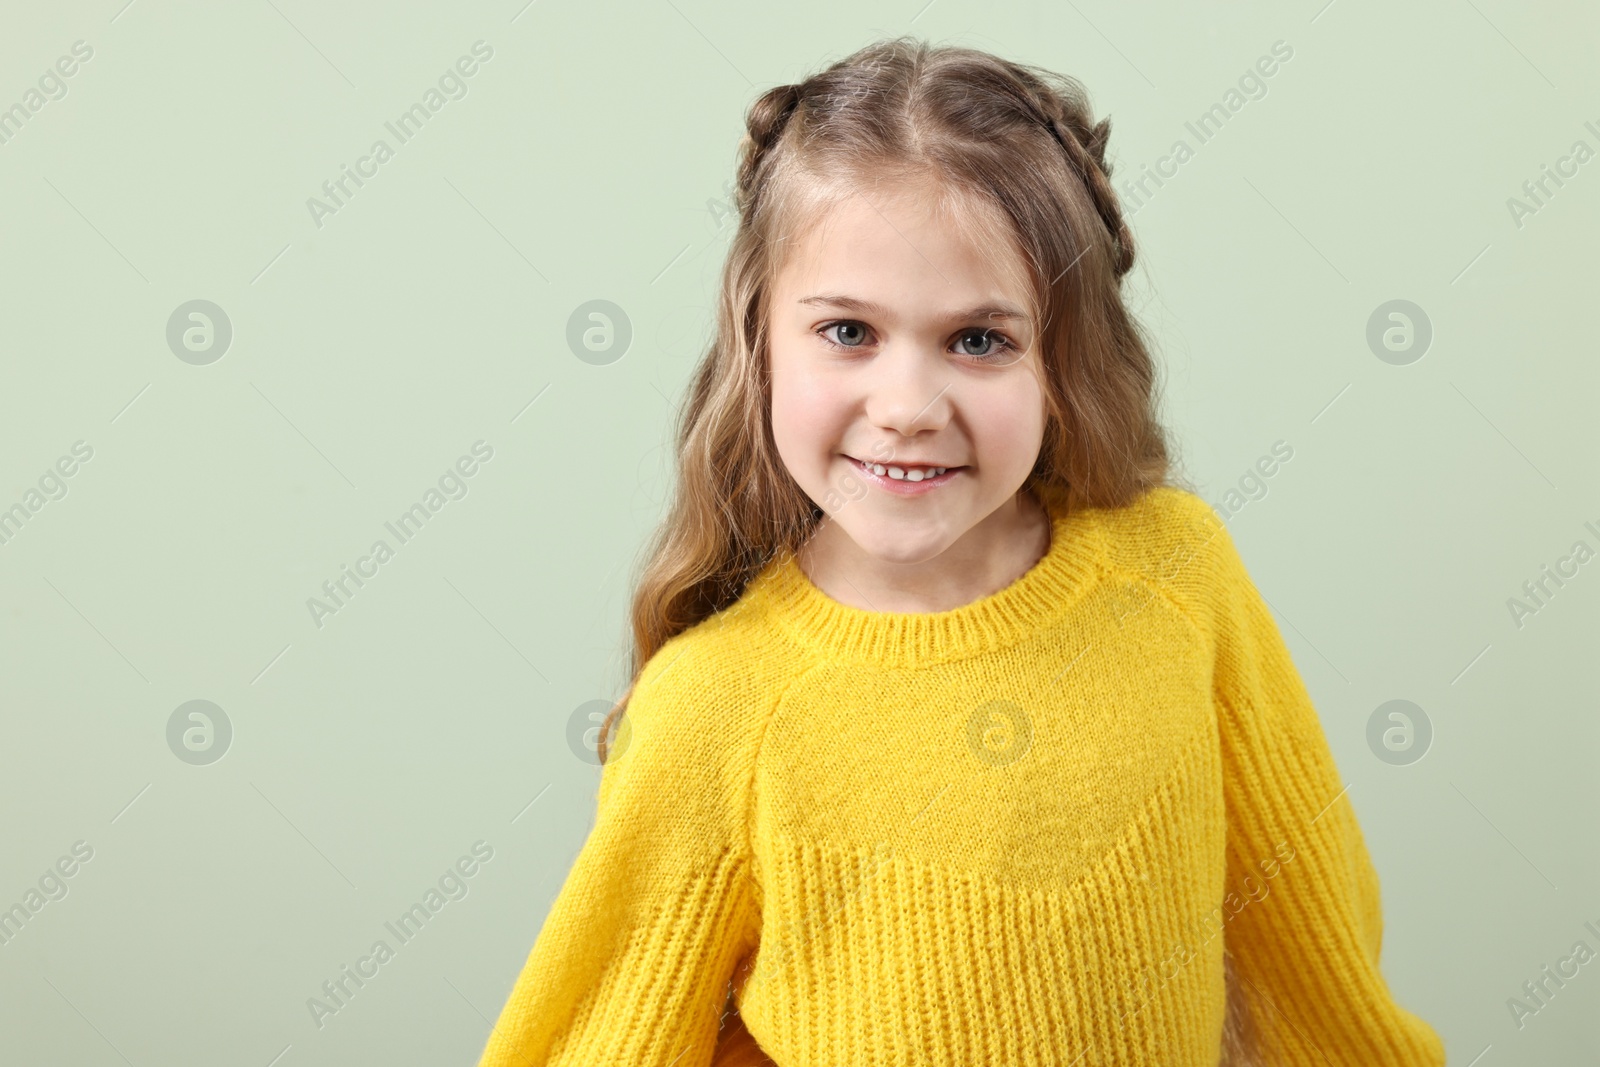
(895, 343)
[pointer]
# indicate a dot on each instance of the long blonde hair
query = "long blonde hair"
(1007, 136)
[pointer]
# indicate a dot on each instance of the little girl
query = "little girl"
(958, 734)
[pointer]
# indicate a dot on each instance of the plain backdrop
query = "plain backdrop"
(246, 849)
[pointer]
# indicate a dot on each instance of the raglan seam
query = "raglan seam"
(1173, 603)
(751, 791)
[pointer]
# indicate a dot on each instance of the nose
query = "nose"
(908, 389)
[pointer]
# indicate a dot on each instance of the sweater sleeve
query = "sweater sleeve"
(1302, 916)
(633, 962)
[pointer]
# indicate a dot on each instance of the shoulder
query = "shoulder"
(707, 692)
(722, 654)
(1176, 543)
(1164, 534)
(684, 752)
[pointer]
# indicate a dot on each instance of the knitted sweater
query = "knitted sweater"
(1018, 832)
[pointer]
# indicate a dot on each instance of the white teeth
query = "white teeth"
(900, 474)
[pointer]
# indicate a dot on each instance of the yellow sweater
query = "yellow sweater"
(1014, 833)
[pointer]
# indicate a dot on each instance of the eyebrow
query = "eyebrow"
(867, 307)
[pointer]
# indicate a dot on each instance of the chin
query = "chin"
(896, 542)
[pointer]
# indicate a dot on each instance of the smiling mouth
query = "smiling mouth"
(910, 474)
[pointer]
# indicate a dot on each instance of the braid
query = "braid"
(1085, 146)
(1064, 112)
(764, 124)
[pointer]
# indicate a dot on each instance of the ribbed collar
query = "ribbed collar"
(909, 639)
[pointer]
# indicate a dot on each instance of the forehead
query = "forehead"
(906, 248)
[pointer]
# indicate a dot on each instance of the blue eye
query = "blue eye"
(1001, 348)
(848, 325)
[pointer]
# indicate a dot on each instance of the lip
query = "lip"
(903, 488)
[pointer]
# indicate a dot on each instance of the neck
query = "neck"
(995, 552)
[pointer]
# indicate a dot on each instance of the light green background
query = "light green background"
(588, 161)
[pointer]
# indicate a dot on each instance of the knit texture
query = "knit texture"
(1019, 832)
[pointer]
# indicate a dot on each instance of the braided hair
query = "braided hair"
(1085, 146)
(764, 124)
(1056, 103)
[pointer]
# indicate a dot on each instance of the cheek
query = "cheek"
(787, 419)
(804, 413)
(1010, 425)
